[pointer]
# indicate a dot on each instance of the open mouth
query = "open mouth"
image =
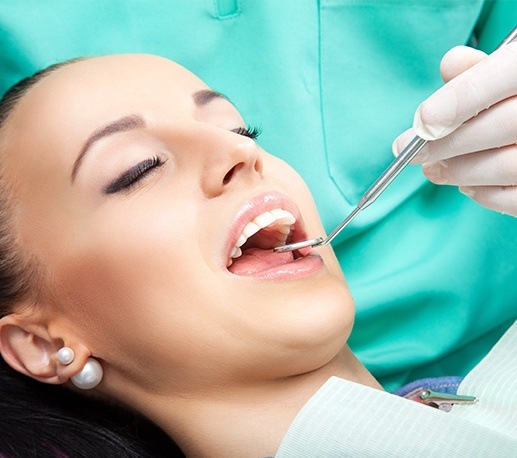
(252, 254)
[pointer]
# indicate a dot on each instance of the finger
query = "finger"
(481, 86)
(502, 199)
(491, 129)
(486, 168)
(458, 60)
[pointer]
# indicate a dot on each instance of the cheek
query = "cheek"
(130, 277)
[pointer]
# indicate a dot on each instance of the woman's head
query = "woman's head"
(130, 182)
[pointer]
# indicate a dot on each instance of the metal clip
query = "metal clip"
(444, 401)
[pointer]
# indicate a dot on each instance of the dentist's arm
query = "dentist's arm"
(472, 124)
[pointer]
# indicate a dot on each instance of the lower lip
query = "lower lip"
(298, 268)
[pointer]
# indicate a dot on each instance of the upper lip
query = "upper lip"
(257, 205)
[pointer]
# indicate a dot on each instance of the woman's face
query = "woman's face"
(134, 183)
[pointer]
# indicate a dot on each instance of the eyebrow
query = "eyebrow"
(126, 123)
(205, 96)
(131, 122)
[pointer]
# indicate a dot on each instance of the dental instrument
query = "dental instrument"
(376, 189)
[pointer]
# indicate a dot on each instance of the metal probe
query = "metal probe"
(376, 189)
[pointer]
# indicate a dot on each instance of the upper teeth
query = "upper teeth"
(283, 217)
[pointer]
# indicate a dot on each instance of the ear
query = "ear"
(28, 348)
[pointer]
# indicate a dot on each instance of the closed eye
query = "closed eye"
(132, 176)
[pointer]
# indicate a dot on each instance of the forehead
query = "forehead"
(103, 88)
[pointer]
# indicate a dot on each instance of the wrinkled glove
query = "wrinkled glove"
(471, 125)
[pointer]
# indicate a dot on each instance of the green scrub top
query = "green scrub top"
(332, 83)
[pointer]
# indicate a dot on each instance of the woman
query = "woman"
(333, 83)
(139, 217)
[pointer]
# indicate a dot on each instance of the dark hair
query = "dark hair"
(48, 421)
(40, 420)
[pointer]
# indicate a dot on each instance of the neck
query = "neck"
(246, 420)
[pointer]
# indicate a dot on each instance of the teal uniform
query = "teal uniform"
(332, 83)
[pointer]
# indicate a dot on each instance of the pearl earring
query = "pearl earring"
(65, 355)
(90, 376)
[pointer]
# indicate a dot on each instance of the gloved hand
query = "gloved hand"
(472, 122)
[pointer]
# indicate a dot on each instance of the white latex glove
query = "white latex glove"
(472, 122)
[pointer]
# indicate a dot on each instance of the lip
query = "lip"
(259, 204)
(256, 206)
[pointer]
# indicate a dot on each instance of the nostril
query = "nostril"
(258, 165)
(231, 172)
(228, 176)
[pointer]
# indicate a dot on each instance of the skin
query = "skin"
(137, 278)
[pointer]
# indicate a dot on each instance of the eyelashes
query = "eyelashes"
(135, 174)
(251, 132)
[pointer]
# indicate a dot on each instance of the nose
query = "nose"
(231, 159)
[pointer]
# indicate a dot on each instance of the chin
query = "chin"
(319, 323)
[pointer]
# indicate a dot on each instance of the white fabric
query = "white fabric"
(494, 382)
(345, 419)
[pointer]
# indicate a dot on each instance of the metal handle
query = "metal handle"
(407, 154)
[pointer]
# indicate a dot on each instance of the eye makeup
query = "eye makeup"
(132, 176)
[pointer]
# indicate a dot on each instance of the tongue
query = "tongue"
(254, 260)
